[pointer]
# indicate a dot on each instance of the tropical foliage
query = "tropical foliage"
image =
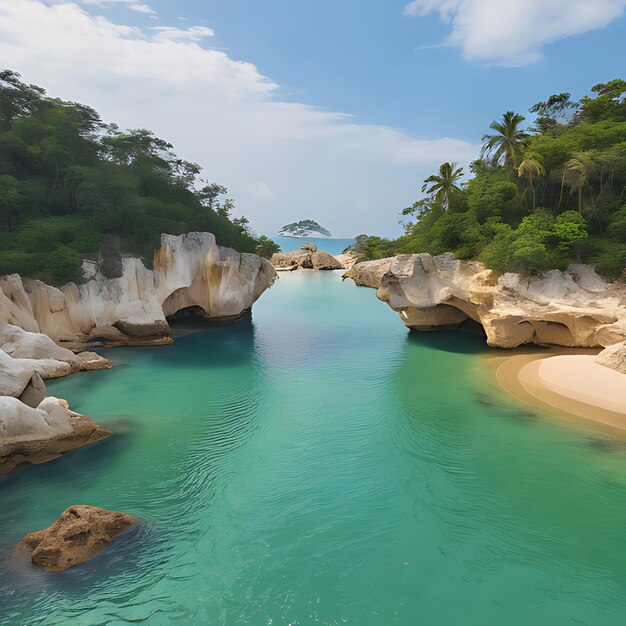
(540, 196)
(71, 187)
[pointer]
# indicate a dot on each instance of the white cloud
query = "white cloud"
(282, 161)
(133, 5)
(513, 32)
(142, 8)
(171, 33)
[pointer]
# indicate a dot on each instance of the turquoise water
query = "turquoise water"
(332, 246)
(320, 465)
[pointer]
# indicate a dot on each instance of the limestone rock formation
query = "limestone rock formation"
(36, 435)
(15, 374)
(190, 271)
(78, 535)
(306, 258)
(614, 357)
(347, 259)
(575, 308)
(368, 273)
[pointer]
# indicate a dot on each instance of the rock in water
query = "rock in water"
(307, 257)
(37, 435)
(575, 308)
(80, 533)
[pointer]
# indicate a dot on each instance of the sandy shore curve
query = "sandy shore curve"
(565, 385)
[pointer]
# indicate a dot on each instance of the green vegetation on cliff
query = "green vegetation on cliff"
(71, 186)
(540, 197)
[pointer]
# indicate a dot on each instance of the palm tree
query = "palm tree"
(576, 174)
(531, 168)
(505, 146)
(443, 184)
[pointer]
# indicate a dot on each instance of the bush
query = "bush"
(23, 263)
(64, 265)
(266, 247)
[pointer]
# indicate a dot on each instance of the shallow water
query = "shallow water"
(319, 465)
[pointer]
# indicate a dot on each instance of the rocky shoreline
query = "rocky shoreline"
(572, 308)
(575, 308)
(45, 332)
(309, 257)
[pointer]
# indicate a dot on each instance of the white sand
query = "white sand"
(578, 378)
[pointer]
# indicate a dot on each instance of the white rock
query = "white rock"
(574, 308)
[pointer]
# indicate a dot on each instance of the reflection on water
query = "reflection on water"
(320, 465)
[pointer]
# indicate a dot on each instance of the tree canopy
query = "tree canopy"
(72, 187)
(540, 196)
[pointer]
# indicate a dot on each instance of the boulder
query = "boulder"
(78, 535)
(34, 392)
(575, 308)
(305, 258)
(368, 273)
(37, 435)
(90, 361)
(15, 374)
(614, 357)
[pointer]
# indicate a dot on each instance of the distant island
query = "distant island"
(304, 228)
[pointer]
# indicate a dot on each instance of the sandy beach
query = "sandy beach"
(567, 386)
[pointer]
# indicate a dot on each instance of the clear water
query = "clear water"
(332, 246)
(319, 465)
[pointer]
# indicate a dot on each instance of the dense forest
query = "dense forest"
(72, 187)
(540, 196)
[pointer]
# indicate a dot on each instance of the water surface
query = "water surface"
(319, 465)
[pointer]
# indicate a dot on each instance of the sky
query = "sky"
(332, 110)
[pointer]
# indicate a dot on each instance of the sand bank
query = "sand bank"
(566, 385)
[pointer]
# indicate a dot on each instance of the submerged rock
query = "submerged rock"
(80, 533)
(575, 308)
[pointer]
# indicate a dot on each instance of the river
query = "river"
(318, 464)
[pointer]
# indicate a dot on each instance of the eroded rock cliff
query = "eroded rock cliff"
(38, 323)
(190, 271)
(575, 308)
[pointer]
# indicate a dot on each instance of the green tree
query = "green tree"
(16, 97)
(531, 169)
(64, 265)
(570, 229)
(505, 145)
(10, 198)
(266, 247)
(576, 174)
(442, 185)
(557, 109)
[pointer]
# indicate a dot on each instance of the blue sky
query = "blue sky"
(420, 85)
(367, 58)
